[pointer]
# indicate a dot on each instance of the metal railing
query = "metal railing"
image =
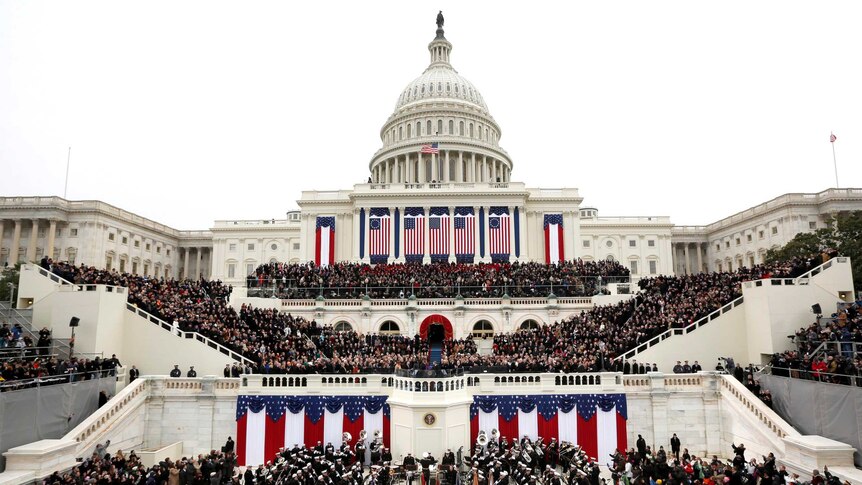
(810, 375)
(13, 316)
(17, 385)
(22, 353)
(188, 335)
(582, 286)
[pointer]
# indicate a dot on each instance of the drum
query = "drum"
(432, 468)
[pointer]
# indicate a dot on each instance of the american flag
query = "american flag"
(438, 232)
(832, 138)
(430, 148)
(378, 234)
(465, 232)
(499, 229)
(414, 233)
(595, 422)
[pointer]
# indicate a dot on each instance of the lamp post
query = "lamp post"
(551, 279)
(11, 293)
(412, 281)
(366, 286)
(320, 280)
(458, 281)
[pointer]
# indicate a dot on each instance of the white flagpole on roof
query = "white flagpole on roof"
(68, 158)
(832, 139)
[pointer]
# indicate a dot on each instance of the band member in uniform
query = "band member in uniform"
(447, 464)
(426, 462)
(409, 464)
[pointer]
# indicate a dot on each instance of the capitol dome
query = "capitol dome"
(441, 82)
(440, 131)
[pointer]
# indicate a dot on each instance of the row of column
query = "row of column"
(446, 166)
(14, 248)
(427, 235)
(186, 271)
(689, 254)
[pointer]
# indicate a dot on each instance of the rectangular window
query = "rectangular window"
(632, 243)
(586, 243)
(774, 230)
(231, 247)
(110, 236)
(748, 237)
(122, 266)
(108, 263)
(653, 267)
(812, 224)
(717, 246)
(761, 234)
(137, 243)
(249, 268)
(231, 270)
(296, 246)
(125, 240)
(158, 250)
(59, 232)
(634, 266)
(147, 246)
(738, 241)
(651, 243)
(73, 232)
(251, 246)
(41, 233)
(727, 244)
(168, 252)
(146, 270)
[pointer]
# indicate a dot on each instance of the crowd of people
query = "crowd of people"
(21, 373)
(497, 462)
(828, 350)
(281, 343)
(435, 280)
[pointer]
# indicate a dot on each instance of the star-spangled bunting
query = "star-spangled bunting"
(313, 406)
(549, 405)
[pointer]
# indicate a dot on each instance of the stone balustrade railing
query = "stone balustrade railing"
(581, 302)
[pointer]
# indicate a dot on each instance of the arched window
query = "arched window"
(342, 326)
(610, 257)
(418, 128)
(483, 328)
(400, 133)
(428, 128)
(461, 128)
(409, 130)
(390, 328)
(529, 325)
(451, 127)
(471, 130)
(439, 127)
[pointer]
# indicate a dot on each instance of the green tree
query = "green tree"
(843, 232)
(9, 276)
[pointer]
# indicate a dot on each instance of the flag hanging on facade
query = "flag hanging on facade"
(499, 232)
(553, 238)
(324, 241)
(266, 423)
(430, 148)
(595, 422)
(832, 138)
(414, 234)
(465, 234)
(438, 234)
(379, 229)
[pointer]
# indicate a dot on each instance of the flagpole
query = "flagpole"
(835, 164)
(69, 157)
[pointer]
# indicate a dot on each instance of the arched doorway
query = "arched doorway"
(529, 324)
(436, 326)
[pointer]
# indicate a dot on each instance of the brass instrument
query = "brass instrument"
(346, 437)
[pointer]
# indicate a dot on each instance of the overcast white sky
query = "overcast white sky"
(187, 112)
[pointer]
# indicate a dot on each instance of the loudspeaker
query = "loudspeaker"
(815, 308)
(74, 321)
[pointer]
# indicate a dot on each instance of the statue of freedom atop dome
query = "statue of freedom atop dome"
(440, 20)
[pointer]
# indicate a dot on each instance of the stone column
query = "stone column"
(2, 231)
(52, 232)
(435, 167)
(420, 168)
(493, 170)
(473, 170)
(512, 232)
(459, 170)
(699, 258)
(186, 263)
(198, 271)
(446, 168)
(16, 241)
(685, 269)
(31, 246)
(355, 251)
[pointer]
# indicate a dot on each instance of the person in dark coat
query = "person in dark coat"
(674, 446)
(229, 445)
(134, 373)
(191, 372)
(176, 372)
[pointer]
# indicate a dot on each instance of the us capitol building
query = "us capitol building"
(440, 188)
